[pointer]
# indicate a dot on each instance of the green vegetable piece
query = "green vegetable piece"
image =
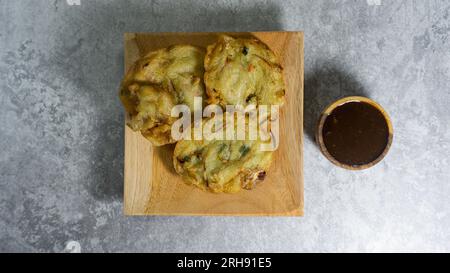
(244, 149)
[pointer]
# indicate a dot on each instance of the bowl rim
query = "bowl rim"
(340, 102)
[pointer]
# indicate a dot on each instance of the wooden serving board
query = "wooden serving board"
(153, 188)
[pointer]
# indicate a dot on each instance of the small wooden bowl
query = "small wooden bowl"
(327, 112)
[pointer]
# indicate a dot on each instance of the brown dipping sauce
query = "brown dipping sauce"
(355, 133)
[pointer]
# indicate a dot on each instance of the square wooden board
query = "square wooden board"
(153, 188)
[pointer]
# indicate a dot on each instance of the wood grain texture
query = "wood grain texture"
(153, 188)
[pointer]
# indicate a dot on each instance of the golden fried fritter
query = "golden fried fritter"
(222, 165)
(159, 81)
(243, 71)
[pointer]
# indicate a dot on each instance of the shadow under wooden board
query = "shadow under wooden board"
(153, 188)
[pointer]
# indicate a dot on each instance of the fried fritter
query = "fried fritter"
(222, 165)
(242, 72)
(159, 81)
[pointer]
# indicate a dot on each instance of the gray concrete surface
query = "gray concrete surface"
(61, 133)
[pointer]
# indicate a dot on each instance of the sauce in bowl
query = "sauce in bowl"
(354, 133)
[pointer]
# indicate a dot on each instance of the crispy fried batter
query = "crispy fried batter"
(243, 71)
(156, 83)
(222, 165)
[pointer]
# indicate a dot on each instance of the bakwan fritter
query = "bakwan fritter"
(222, 165)
(159, 81)
(243, 71)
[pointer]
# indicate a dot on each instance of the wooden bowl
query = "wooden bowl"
(151, 185)
(329, 110)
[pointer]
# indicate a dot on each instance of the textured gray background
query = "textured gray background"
(61, 148)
